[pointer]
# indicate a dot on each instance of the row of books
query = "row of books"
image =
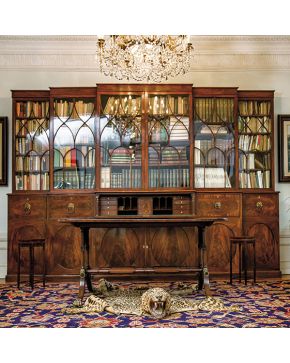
(255, 161)
(254, 124)
(25, 145)
(32, 181)
(255, 179)
(125, 178)
(214, 110)
(168, 105)
(32, 109)
(32, 163)
(168, 178)
(169, 128)
(203, 148)
(74, 109)
(24, 127)
(168, 155)
(70, 179)
(122, 105)
(81, 157)
(214, 129)
(211, 178)
(254, 108)
(120, 155)
(255, 142)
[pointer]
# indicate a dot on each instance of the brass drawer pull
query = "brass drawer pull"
(218, 205)
(259, 205)
(71, 208)
(27, 207)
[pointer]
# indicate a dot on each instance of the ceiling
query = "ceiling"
(211, 53)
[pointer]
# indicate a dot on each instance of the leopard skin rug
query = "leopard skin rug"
(155, 302)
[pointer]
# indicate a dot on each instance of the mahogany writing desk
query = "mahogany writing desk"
(85, 224)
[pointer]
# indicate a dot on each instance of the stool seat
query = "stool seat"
(242, 242)
(31, 244)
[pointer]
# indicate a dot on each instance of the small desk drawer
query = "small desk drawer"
(218, 205)
(71, 206)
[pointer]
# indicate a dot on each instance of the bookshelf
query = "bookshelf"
(214, 139)
(168, 141)
(120, 141)
(73, 139)
(31, 143)
(144, 150)
(255, 126)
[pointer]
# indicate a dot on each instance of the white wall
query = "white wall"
(246, 79)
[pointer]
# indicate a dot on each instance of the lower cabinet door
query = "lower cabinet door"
(171, 247)
(117, 248)
(218, 245)
(64, 252)
(24, 229)
(266, 233)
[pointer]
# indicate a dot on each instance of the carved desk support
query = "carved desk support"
(85, 224)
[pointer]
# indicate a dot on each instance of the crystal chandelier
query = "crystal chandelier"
(152, 58)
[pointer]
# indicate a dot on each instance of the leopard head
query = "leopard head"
(156, 302)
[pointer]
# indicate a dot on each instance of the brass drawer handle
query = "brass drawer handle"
(27, 207)
(218, 205)
(259, 205)
(71, 208)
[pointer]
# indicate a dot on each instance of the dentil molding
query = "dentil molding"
(211, 53)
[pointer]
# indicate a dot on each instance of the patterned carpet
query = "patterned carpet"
(266, 304)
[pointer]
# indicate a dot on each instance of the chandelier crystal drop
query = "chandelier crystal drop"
(151, 58)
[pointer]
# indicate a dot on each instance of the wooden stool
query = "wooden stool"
(243, 243)
(31, 243)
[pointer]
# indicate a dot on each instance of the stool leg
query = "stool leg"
(240, 262)
(254, 247)
(231, 263)
(245, 255)
(44, 267)
(18, 268)
(31, 272)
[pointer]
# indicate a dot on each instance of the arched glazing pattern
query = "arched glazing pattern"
(74, 144)
(32, 145)
(255, 144)
(168, 141)
(120, 141)
(214, 155)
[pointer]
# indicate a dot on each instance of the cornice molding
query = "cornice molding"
(211, 53)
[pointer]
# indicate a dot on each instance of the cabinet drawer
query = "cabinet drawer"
(71, 206)
(255, 205)
(218, 205)
(27, 206)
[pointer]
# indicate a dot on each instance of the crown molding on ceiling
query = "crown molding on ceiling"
(211, 53)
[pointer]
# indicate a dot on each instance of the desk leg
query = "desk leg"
(85, 278)
(203, 281)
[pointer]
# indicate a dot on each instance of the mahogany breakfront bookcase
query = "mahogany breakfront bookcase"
(144, 150)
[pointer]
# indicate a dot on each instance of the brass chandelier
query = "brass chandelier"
(150, 58)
